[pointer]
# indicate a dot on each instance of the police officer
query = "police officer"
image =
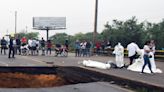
(11, 47)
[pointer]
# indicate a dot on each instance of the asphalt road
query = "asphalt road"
(87, 87)
(44, 60)
(50, 60)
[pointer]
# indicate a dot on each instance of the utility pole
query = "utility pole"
(95, 22)
(15, 22)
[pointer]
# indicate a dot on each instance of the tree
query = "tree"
(28, 35)
(59, 38)
(123, 32)
(156, 32)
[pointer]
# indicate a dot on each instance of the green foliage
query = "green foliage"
(28, 35)
(121, 31)
(59, 38)
(156, 32)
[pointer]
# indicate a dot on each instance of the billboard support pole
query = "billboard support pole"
(47, 29)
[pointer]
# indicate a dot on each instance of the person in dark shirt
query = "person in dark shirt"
(88, 46)
(42, 44)
(3, 45)
(11, 47)
(66, 43)
(18, 46)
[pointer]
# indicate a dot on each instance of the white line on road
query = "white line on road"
(1, 62)
(34, 59)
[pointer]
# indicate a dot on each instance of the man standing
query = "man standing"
(77, 48)
(98, 45)
(83, 48)
(3, 45)
(49, 47)
(11, 48)
(132, 50)
(88, 46)
(18, 45)
(42, 43)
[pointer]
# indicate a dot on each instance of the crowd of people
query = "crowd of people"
(85, 48)
(31, 46)
(24, 46)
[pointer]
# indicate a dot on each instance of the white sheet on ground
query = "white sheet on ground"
(96, 64)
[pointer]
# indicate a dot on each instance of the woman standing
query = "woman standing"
(147, 56)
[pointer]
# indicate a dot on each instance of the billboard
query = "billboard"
(50, 23)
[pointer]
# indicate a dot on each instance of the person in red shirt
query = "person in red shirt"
(49, 46)
(98, 45)
(24, 41)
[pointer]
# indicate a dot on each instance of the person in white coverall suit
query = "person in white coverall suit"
(119, 55)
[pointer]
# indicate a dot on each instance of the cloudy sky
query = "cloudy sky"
(79, 13)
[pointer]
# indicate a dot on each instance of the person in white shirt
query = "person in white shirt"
(29, 45)
(132, 50)
(83, 48)
(33, 47)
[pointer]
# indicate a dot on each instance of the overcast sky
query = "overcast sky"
(79, 13)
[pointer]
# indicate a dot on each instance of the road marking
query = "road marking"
(33, 59)
(1, 62)
(27, 65)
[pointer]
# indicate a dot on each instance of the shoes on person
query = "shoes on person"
(152, 73)
(141, 72)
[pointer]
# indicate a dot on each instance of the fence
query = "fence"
(158, 54)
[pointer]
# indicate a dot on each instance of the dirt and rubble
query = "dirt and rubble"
(22, 80)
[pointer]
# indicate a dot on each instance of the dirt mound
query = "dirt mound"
(21, 80)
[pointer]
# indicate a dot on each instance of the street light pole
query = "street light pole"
(15, 22)
(95, 23)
